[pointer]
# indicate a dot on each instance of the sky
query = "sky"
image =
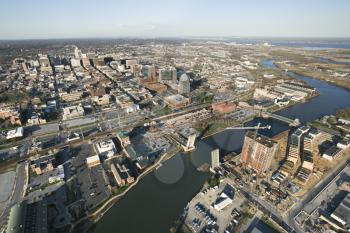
(44, 19)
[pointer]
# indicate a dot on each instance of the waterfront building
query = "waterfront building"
(120, 182)
(258, 151)
(215, 162)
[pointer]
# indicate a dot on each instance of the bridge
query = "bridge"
(291, 122)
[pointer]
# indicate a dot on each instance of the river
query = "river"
(158, 200)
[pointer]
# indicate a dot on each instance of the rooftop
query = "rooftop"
(261, 139)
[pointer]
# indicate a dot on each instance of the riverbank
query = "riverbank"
(252, 118)
(154, 204)
(336, 81)
(98, 213)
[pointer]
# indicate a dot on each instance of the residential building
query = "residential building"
(215, 158)
(258, 151)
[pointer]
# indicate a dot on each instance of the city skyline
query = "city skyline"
(116, 19)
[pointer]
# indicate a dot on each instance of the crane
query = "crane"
(252, 147)
(252, 127)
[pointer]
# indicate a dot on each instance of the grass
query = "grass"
(216, 126)
(119, 190)
(213, 181)
(162, 111)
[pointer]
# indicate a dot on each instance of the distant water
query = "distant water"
(311, 44)
(268, 64)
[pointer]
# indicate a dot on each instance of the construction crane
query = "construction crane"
(252, 127)
(252, 147)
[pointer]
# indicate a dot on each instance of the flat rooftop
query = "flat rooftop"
(266, 141)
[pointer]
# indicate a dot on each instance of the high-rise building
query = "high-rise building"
(215, 162)
(168, 75)
(148, 71)
(258, 151)
(184, 84)
(77, 53)
(75, 62)
(86, 62)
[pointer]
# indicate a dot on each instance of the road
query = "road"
(17, 192)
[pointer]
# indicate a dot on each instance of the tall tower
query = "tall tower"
(258, 151)
(184, 84)
(215, 159)
(77, 53)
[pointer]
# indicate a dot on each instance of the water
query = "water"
(158, 200)
(268, 64)
(330, 61)
(308, 44)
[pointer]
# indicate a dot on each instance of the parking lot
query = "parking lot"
(201, 213)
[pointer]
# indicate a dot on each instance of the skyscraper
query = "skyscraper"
(184, 84)
(258, 151)
(77, 53)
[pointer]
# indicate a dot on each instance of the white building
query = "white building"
(16, 133)
(75, 62)
(215, 159)
(106, 148)
(93, 161)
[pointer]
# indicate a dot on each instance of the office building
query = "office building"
(168, 75)
(184, 85)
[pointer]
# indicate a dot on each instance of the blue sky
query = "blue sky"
(27, 19)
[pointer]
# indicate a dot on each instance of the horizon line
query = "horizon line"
(180, 37)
